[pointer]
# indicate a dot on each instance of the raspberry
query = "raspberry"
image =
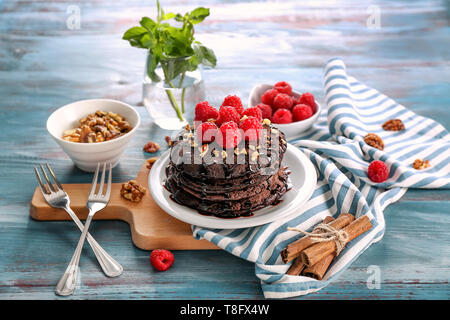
(228, 113)
(308, 99)
(161, 259)
(301, 112)
(266, 110)
(235, 102)
(268, 96)
(253, 112)
(283, 87)
(252, 128)
(204, 111)
(231, 135)
(206, 132)
(282, 101)
(378, 172)
(282, 116)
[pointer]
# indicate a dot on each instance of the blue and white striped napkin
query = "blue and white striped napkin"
(335, 146)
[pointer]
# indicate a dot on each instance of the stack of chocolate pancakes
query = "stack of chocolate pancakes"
(227, 183)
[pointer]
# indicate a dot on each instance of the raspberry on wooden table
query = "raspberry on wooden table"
(161, 259)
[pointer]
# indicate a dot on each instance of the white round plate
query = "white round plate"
(303, 178)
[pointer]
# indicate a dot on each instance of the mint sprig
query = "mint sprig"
(173, 48)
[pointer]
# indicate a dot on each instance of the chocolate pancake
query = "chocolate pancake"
(227, 183)
(232, 208)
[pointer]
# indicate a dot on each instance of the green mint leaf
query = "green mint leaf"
(198, 15)
(178, 17)
(208, 58)
(134, 33)
(147, 23)
(168, 16)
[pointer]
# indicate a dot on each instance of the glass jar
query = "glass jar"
(170, 102)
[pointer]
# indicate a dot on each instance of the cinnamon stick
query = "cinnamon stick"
(296, 267)
(318, 251)
(294, 249)
(318, 270)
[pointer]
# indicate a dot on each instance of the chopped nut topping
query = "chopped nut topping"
(254, 156)
(420, 164)
(168, 140)
(374, 140)
(132, 191)
(224, 154)
(98, 127)
(283, 141)
(266, 122)
(151, 147)
(187, 127)
(151, 161)
(393, 125)
(244, 117)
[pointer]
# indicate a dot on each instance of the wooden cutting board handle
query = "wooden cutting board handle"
(151, 227)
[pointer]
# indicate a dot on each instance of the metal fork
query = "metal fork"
(96, 202)
(56, 197)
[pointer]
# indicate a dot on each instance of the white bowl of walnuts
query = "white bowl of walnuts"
(93, 131)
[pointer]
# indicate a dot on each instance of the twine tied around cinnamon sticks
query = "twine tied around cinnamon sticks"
(324, 232)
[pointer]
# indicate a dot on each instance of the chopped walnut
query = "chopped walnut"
(374, 140)
(98, 127)
(150, 162)
(132, 191)
(151, 147)
(393, 125)
(168, 140)
(420, 164)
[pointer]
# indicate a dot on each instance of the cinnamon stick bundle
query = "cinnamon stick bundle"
(318, 251)
(295, 248)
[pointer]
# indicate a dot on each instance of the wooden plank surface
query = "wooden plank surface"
(44, 65)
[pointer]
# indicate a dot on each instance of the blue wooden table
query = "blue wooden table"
(46, 62)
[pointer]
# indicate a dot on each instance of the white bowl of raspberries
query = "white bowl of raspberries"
(290, 111)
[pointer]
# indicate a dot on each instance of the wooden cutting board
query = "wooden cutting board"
(151, 227)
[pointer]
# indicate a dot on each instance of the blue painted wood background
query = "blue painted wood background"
(44, 64)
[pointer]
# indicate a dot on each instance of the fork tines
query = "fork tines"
(100, 193)
(48, 187)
